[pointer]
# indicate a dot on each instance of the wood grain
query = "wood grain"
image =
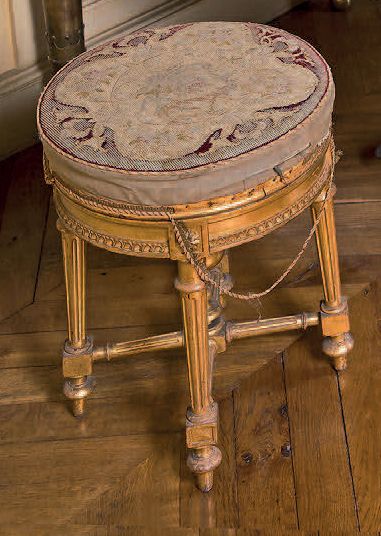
(94, 530)
(59, 481)
(361, 394)
(220, 507)
(22, 230)
(263, 455)
(323, 483)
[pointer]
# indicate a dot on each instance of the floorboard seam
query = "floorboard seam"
(355, 201)
(283, 354)
(41, 247)
(91, 438)
(235, 453)
(348, 452)
(63, 330)
(45, 365)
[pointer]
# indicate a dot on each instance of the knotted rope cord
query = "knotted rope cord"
(187, 248)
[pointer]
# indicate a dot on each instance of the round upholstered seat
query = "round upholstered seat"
(185, 113)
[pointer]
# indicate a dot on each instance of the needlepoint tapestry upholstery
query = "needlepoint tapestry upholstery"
(180, 102)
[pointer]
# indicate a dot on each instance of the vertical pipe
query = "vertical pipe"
(64, 30)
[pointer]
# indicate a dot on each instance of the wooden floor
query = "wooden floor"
(301, 445)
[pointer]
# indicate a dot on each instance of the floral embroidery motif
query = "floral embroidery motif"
(183, 96)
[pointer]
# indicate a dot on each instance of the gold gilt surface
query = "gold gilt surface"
(215, 225)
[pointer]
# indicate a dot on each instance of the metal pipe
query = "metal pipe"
(64, 30)
(241, 330)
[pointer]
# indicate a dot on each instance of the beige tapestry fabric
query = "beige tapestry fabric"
(185, 113)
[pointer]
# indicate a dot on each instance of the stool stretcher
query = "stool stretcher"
(232, 331)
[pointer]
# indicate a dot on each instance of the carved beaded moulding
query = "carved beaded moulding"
(145, 248)
(259, 230)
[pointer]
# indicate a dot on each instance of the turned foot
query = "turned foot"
(204, 456)
(204, 481)
(337, 349)
(202, 463)
(341, 5)
(76, 390)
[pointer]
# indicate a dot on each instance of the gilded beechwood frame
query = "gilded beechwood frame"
(213, 226)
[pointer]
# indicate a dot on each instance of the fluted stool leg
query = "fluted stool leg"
(202, 415)
(338, 341)
(77, 362)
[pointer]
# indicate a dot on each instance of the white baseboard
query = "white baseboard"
(105, 19)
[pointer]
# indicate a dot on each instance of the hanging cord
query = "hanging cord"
(183, 239)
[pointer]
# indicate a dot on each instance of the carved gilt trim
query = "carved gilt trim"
(264, 227)
(134, 247)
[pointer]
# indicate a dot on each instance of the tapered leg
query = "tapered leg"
(334, 311)
(202, 415)
(77, 360)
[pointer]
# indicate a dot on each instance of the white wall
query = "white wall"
(23, 64)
